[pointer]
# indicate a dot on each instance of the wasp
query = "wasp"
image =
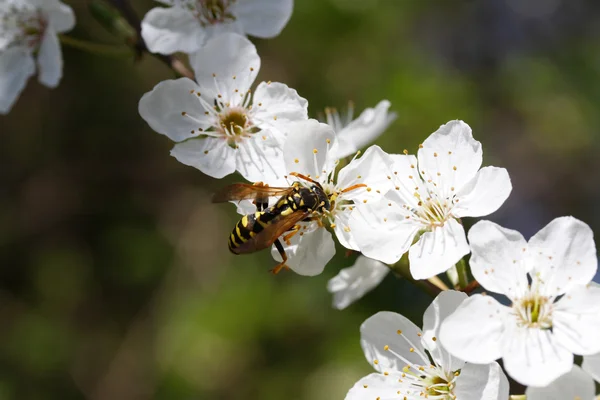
(298, 202)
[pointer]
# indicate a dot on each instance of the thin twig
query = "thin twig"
(95, 48)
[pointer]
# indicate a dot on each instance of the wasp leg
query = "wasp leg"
(306, 178)
(284, 258)
(290, 235)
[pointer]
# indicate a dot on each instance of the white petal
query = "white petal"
(50, 62)
(474, 332)
(576, 320)
(380, 230)
(352, 283)
(211, 156)
(370, 124)
(484, 194)
(263, 18)
(172, 29)
(438, 250)
(309, 252)
(442, 306)
(342, 229)
(60, 16)
(276, 105)
(452, 152)
(16, 66)
(565, 255)
(482, 382)
(498, 259)
(387, 339)
(533, 357)
(164, 106)
(375, 386)
(259, 161)
(305, 150)
(591, 365)
(227, 62)
(369, 169)
(575, 384)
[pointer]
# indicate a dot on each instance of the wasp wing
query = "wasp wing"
(272, 231)
(247, 191)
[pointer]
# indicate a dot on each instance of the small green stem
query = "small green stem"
(463, 277)
(96, 48)
(401, 269)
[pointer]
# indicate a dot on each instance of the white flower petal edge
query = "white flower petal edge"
(308, 252)
(263, 18)
(28, 34)
(217, 124)
(465, 336)
(186, 25)
(352, 135)
(396, 347)
(575, 384)
(427, 195)
(438, 250)
(591, 365)
(168, 30)
(555, 311)
(352, 283)
(564, 255)
(482, 382)
(16, 67)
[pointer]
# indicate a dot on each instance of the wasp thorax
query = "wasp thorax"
(211, 12)
(533, 311)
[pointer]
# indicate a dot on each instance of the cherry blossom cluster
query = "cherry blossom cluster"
(385, 206)
(538, 306)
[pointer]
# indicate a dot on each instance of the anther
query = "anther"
(315, 151)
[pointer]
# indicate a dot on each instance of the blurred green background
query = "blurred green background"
(115, 278)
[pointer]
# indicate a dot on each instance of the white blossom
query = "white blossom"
(429, 194)
(28, 36)
(186, 25)
(412, 364)
(219, 126)
(307, 152)
(354, 134)
(352, 283)
(574, 385)
(554, 311)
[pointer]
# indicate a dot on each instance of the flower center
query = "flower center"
(440, 388)
(533, 311)
(212, 12)
(235, 124)
(432, 211)
(23, 26)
